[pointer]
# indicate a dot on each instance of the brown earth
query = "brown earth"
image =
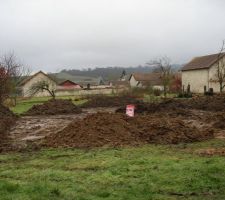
(206, 103)
(109, 101)
(54, 107)
(211, 152)
(105, 129)
(169, 122)
(28, 131)
(7, 119)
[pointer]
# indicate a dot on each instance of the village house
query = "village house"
(146, 79)
(63, 87)
(200, 73)
(68, 85)
(26, 84)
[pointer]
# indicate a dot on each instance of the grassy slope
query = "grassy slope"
(149, 172)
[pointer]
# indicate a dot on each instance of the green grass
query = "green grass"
(148, 172)
(24, 105)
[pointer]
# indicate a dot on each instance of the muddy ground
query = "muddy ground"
(29, 131)
(169, 122)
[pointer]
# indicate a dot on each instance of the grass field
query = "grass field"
(148, 172)
(25, 104)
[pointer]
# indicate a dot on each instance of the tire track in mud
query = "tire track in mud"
(32, 129)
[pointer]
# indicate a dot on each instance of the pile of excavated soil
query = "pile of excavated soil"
(206, 103)
(109, 101)
(218, 120)
(7, 119)
(104, 129)
(54, 107)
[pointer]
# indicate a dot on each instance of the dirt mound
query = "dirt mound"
(7, 119)
(104, 129)
(218, 120)
(53, 107)
(172, 107)
(109, 101)
(206, 103)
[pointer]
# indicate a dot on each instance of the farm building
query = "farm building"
(63, 87)
(83, 81)
(25, 85)
(146, 79)
(201, 72)
(68, 85)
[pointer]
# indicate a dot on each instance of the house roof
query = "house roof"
(28, 78)
(81, 80)
(120, 83)
(72, 83)
(148, 78)
(203, 62)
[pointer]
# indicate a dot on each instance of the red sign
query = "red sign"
(130, 110)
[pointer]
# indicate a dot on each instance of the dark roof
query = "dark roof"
(81, 80)
(28, 78)
(148, 78)
(203, 62)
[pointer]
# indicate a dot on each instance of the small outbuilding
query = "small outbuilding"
(146, 79)
(67, 84)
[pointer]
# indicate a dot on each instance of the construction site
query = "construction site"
(171, 149)
(102, 122)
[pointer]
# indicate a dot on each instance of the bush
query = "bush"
(157, 92)
(184, 95)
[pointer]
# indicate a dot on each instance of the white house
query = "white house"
(201, 72)
(146, 79)
(26, 84)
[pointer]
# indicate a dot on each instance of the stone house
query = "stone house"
(146, 79)
(201, 72)
(25, 85)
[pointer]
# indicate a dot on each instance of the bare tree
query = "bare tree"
(42, 86)
(11, 73)
(220, 70)
(163, 66)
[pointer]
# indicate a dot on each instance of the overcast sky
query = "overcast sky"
(55, 34)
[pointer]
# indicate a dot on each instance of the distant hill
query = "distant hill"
(110, 73)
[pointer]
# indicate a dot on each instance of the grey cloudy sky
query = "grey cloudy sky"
(55, 34)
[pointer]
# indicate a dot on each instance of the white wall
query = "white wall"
(133, 82)
(213, 80)
(88, 92)
(197, 80)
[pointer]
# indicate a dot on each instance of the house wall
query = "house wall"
(87, 92)
(39, 77)
(133, 82)
(200, 78)
(197, 80)
(213, 80)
